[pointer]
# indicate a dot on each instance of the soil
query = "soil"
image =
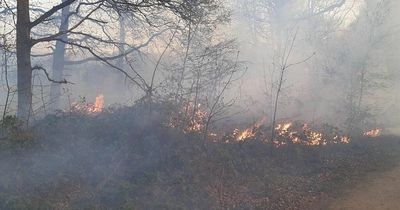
(378, 191)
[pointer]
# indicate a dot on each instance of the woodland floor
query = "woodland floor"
(118, 161)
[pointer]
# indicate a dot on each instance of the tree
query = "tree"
(24, 67)
(84, 14)
(284, 65)
(367, 76)
(59, 59)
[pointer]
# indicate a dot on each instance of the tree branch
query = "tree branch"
(50, 12)
(109, 58)
(64, 81)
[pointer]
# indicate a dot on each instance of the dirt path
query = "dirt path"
(379, 191)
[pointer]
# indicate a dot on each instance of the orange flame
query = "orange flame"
(283, 128)
(373, 133)
(197, 123)
(89, 108)
(290, 132)
(249, 132)
(98, 104)
(194, 119)
(191, 118)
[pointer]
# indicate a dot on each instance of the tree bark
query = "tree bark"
(24, 68)
(59, 62)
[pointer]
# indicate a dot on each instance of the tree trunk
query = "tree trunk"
(278, 91)
(122, 37)
(24, 68)
(59, 62)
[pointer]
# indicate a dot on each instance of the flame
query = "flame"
(98, 104)
(289, 132)
(373, 133)
(306, 136)
(283, 128)
(345, 139)
(315, 139)
(197, 123)
(90, 108)
(249, 132)
(190, 118)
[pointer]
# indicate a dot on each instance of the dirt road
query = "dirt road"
(378, 191)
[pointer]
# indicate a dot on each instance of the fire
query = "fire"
(283, 128)
(190, 118)
(197, 121)
(305, 136)
(345, 139)
(90, 108)
(249, 132)
(291, 133)
(98, 104)
(373, 133)
(315, 139)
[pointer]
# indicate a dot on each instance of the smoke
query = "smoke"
(343, 63)
(330, 62)
(351, 43)
(83, 157)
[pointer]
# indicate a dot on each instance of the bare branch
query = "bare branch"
(54, 36)
(64, 81)
(50, 12)
(98, 57)
(110, 58)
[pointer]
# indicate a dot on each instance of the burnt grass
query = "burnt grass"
(117, 160)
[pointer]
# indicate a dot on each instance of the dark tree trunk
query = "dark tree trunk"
(24, 68)
(59, 62)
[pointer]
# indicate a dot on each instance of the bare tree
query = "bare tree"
(84, 13)
(283, 67)
(5, 48)
(218, 105)
(59, 59)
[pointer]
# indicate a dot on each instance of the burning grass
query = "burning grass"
(373, 133)
(118, 160)
(292, 133)
(191, 118)
(89, 108)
